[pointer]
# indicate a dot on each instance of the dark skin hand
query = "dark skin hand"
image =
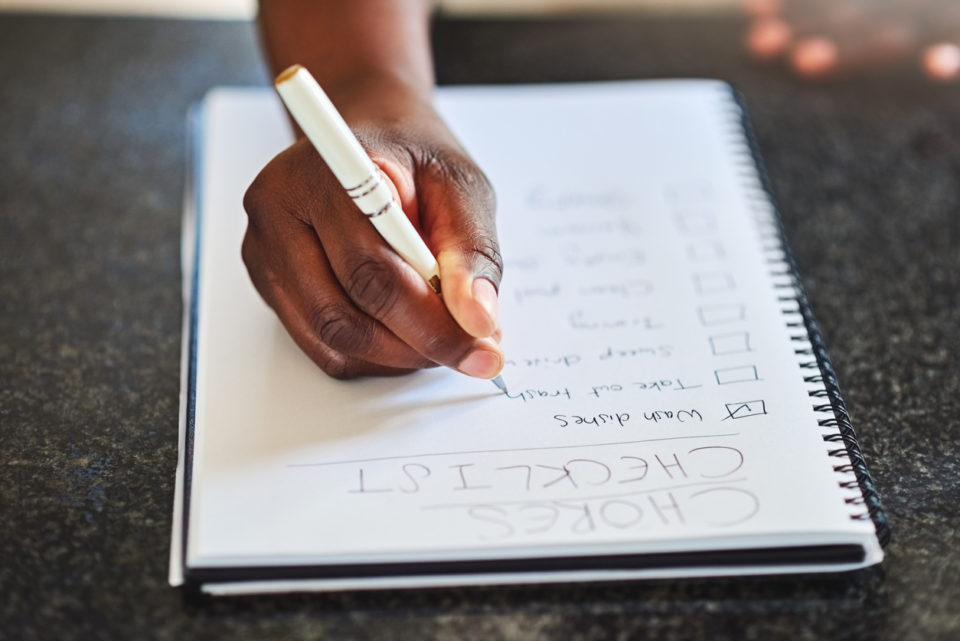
(347, 299)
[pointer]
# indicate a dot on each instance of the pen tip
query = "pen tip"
(498, 381)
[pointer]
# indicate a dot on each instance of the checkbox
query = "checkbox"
(713, 282)
(742, 374)
(711, 315)
(731, 343)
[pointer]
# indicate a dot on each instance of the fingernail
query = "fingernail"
(481, 363)
(486, 294)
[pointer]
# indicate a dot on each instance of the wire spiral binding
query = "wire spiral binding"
(837, 431)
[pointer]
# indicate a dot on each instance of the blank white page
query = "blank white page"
(656, 400)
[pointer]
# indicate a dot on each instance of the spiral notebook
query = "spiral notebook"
(671, 411)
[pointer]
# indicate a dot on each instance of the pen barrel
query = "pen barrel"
(394, 225)
(375, 199)
(326, 129)
(373, 195)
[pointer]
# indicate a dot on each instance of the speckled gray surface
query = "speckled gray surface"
(92, 150)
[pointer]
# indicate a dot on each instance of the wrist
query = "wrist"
(382, 100)
(379, 95)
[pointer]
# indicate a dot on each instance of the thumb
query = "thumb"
(457, 213)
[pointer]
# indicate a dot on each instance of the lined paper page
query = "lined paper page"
(655, 399)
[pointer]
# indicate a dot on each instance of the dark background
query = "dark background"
(92, 162)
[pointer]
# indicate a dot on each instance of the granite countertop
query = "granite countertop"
(92, 160)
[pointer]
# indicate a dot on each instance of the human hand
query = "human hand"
(822, 39)
(347, 299)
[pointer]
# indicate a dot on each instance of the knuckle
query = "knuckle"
(263, 277)
(339, 329)
(282, 188)
(336, 366)
(253, 198)
(442, 163)
(262, 201)
(446, 348)
(483, 253)
(248, 251)
(371, 285)
(491, 265)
